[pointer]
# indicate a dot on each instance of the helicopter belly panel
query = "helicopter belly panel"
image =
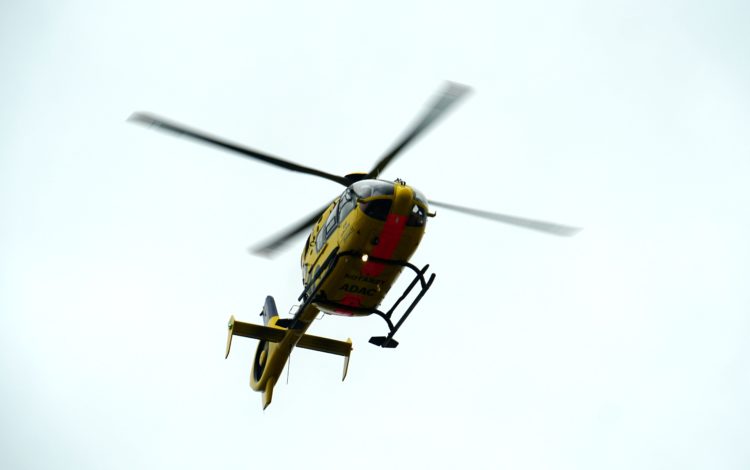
(348, 286)
(359, 282)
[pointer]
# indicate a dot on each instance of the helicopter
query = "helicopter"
(358, 245)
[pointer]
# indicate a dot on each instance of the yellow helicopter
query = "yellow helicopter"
(358, 246)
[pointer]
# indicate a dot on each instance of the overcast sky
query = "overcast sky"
(123, 250)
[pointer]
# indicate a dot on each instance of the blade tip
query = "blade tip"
(457, 89)
(263, 252)
(569, 231)
(141, 118)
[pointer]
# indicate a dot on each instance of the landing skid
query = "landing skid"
(382, 341)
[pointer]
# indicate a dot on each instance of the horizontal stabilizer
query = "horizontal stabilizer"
(250, 330)
(330, 346)
(276, 335)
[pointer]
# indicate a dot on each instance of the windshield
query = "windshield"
(420, 197)
(369, 188)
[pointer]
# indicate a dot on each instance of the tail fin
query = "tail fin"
(269, 310)
(267, 394)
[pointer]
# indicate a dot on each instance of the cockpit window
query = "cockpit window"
(417, 217)
(347, 202)
(369, 188)
(327, 229)
(377, 208)
(420, 197)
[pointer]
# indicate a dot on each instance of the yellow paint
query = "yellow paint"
(357, 233)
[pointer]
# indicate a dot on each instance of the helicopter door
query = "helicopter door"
(347, 204)
(344, 205)
(328, 227)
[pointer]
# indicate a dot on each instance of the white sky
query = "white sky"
(122, 250)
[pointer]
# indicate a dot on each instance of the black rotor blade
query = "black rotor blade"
(446, 98)
(546, 227)
(152, 120)
(272, 246)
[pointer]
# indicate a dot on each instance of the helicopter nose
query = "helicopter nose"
(403, 200)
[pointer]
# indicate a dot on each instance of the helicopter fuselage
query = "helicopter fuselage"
(352, 257)
(372, 219)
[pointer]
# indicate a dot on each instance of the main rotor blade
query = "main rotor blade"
(273, 245)
(152, 120)
(447, 97)
(546, 227)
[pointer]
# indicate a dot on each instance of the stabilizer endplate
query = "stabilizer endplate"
(346, 361)
(229, 336)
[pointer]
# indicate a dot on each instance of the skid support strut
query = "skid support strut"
(419, 278)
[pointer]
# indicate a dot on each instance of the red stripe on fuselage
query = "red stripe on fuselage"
(388, 241)
(350, 300)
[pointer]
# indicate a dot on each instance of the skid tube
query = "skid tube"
(419, 277)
